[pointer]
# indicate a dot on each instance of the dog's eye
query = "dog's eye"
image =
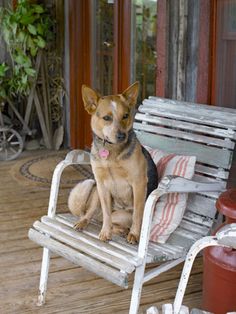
(107, 118)
(125, 116)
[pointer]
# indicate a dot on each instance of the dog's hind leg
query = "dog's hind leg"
(79, 196)
(83, 201)
(121, 222)
(93, 204)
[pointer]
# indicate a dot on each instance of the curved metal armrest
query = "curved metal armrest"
(73, 157)
(174, 184)
(227, 235)
(78, 156)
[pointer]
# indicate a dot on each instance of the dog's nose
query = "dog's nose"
(121, 136)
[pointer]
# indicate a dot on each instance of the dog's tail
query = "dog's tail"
(79, 197)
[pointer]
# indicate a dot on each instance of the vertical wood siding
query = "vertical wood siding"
(186, 74)
(192, 49)
(161, 48)
(203, 92)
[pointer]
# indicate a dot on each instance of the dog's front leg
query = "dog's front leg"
(139, 194)
(105, 199)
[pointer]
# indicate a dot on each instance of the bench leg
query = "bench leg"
(137, 289)
(44, 277)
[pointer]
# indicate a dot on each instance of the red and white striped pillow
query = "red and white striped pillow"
(170, 208)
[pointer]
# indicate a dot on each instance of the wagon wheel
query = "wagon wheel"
(11, 144)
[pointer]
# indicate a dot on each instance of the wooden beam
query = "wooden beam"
(161, 48)
(212, 65)
(204, 53)
(192, 50)
(181, 62)
(79, 28)
(122, 33)
(173, 12)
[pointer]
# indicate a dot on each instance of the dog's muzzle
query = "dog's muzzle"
(121, 136)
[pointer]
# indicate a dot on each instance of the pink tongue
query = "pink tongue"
(103, 153)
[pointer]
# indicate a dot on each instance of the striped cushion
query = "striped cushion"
(170, 208)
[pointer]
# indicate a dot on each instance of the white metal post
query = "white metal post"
(73, 157)
(190, 257)
(44, 277)
(142, 250)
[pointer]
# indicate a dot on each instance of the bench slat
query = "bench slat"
(156, 252)
(196, 228)
(93, 230)
(201, 205)
(183, 125)
(209, 155)
(192, 137)
(203, 114)
(182, 238)
(70, 220)
(69, 236)
(210, 171)
(205, 179)
(187, 234)
(198, 218)
(117, 277)
(155, 110)
(206, 109)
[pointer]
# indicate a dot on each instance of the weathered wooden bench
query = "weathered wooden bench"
(207, 132)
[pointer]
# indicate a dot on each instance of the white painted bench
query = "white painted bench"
(207, 132)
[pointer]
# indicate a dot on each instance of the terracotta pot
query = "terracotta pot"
(219, 275)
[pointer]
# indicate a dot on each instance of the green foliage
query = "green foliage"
(25, 30)
(3, 81)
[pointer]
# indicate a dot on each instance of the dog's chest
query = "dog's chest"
(116, 180)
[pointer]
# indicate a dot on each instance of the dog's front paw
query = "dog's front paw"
(132, 238)
(80, 225)
(105, 235)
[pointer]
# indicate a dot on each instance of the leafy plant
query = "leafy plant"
(25, 30)
(3, 80)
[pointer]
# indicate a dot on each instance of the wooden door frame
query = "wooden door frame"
(122, 64)
(79, 46)
(80, 62)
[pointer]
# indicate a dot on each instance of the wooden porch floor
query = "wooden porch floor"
(71, 289)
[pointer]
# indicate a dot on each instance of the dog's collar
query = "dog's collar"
(104, 151)
(102, 140)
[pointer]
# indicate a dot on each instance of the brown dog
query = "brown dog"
(124, 171)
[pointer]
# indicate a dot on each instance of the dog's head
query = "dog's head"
(112, 116)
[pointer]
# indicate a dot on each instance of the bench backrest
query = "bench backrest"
(207, 132)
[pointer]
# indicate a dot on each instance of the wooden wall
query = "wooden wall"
(183, 50)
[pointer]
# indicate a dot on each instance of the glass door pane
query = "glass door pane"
(102, 43)
(143, 45)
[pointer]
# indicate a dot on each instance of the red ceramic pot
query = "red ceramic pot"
(219, 275)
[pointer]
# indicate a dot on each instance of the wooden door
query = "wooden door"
(112, 44)
(98, 57)
(225, 80)
(224, 64)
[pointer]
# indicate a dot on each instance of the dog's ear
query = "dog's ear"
(90, 99)
(131, 93)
